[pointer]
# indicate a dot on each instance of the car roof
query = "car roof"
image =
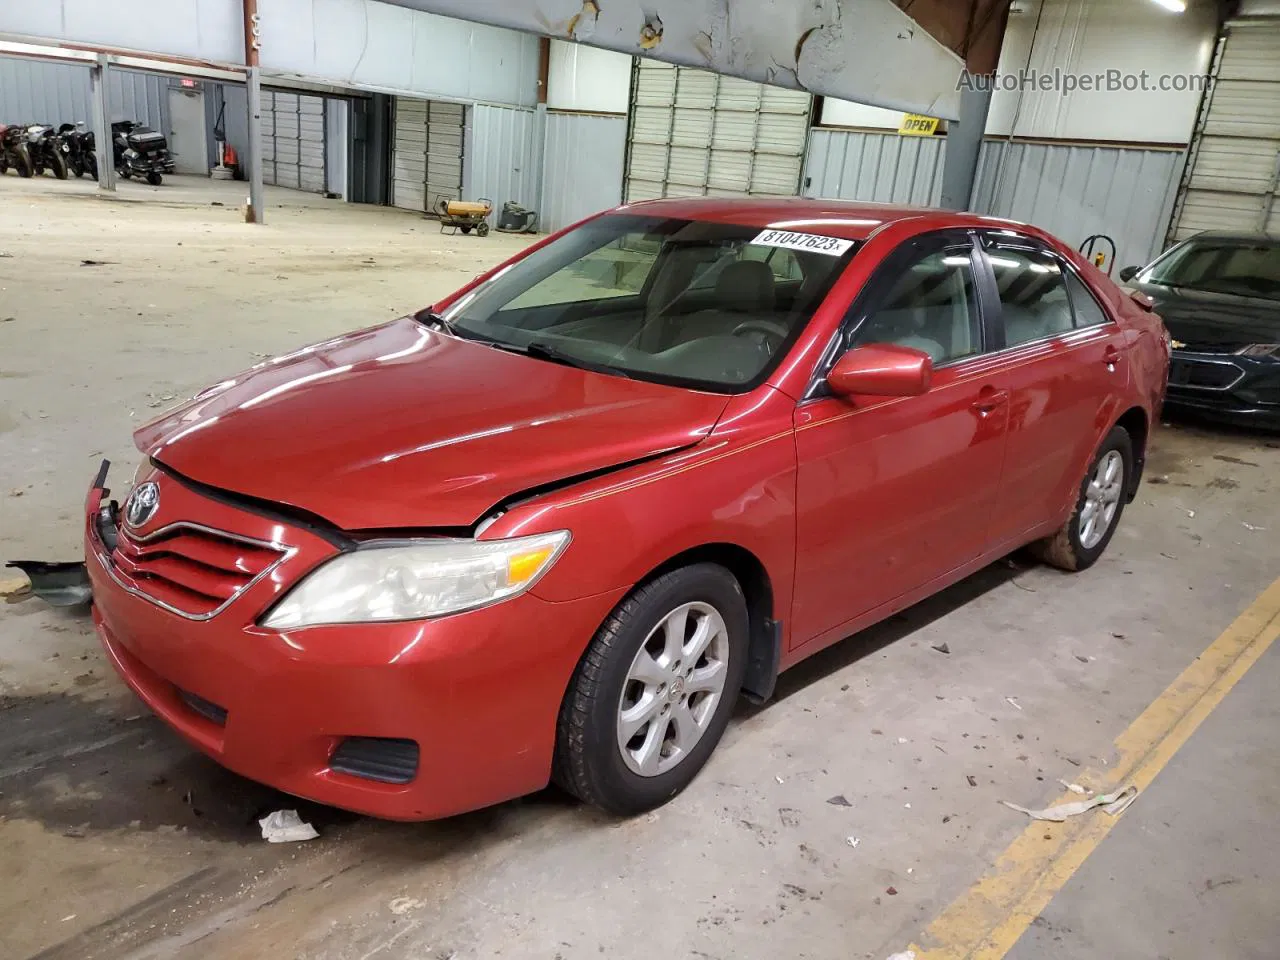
(1241, 236)
(847, 219)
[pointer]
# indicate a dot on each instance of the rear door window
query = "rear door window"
(1087, 310)
(1034, 301)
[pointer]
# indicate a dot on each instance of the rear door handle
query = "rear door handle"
(989, 399)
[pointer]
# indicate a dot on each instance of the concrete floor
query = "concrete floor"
(117, 841)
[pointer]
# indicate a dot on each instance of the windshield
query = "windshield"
(1246, 268)
(708, 305)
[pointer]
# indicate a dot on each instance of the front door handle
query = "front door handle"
(1111, 357)
(989, 400)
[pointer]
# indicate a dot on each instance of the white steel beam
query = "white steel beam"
(864, 50)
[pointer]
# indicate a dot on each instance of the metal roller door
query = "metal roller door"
(1233, 167)
(695, 133)
(427, 161)
(293, 141)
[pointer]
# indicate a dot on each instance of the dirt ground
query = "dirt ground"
(118, 841)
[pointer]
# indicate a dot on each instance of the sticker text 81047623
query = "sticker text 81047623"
(831, 246)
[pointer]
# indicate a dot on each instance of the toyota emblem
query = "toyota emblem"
(142, 504)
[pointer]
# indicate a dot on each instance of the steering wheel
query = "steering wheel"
(771, 333)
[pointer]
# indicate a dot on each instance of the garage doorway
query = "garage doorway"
(1233, 167)
(694, 133)
(427, 153)
(293, 140)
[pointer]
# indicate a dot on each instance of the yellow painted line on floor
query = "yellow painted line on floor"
(986, 921)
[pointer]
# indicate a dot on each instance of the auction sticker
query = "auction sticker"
(831, 246)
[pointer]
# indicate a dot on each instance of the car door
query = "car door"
(1063, 366)
(894, 492)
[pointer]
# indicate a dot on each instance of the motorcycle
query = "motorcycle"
(14, 151)
(48, 152)
(140, 152)
(79, 149)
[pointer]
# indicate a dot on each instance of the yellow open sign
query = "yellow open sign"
(915, 125)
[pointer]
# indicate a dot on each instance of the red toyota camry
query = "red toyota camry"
(554, 526)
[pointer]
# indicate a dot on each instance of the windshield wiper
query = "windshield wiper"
(548, 352)
(437, 319)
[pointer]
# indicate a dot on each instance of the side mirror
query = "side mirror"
(882, 370)
(1128, 273)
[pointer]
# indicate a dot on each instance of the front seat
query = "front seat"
(746, 287)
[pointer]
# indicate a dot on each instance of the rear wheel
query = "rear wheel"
(154, 179)
(1085, 535)
(482, 230)
(653, 693)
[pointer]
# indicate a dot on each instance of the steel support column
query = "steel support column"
(102, 149)
(253, 94)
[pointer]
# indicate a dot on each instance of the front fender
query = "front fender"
(736, 487)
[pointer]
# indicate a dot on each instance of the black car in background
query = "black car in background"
(1219, 295)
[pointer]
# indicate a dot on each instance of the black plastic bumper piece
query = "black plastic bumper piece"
(206, 708)
(385, 759)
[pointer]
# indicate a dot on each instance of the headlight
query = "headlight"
(1260, 350)
(391, 581)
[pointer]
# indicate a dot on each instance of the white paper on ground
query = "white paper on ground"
(1112, 803)
(285, 826)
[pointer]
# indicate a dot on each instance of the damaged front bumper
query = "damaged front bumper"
(66, 583)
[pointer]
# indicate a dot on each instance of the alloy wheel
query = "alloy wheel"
(1101, 499)
(673, 688)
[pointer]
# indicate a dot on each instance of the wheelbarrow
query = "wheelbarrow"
(465, 215)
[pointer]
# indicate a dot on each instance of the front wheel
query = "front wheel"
(23, 162)
(1085, 535)
(58, 164)
(652, 695)
(154, 179)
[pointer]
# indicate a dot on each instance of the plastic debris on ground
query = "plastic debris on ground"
(904, 955)
(1113, 803)
(853, 841)
(1074, 787)
(285, 826)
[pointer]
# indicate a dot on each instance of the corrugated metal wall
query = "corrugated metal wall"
(1075, 190)
(498, 160)
(884, 167)
(45, 92)
(585, 154)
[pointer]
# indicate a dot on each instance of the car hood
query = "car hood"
(1214, 322)
(401, 426)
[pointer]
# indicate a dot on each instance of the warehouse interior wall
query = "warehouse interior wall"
(38, 91)
(205, 29)
(588, 79)
(1088, 37)
(376, 46)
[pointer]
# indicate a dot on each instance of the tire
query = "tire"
(25, 167)
(591, 761)
(154, 179)
(482, 230)
(91, 165)
(1077, 546)
(466, 229)
(4, 162)
(58, 165)
(75, 168)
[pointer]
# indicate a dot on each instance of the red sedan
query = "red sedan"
(554, 527)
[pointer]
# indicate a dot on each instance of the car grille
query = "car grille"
(385, 759)
(1203, 374)
(193, 571)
